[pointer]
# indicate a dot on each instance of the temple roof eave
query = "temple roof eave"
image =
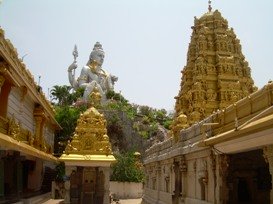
(87, 159)
(12, 144)
(264, 123)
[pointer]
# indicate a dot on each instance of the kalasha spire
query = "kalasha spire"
(210, 8)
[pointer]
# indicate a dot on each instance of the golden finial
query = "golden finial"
(95, 98)
(210, 6)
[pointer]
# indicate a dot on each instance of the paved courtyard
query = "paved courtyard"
(131, 201)
(128, 201)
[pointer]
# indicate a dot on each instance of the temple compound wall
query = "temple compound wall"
(225, 158)
(27, 129)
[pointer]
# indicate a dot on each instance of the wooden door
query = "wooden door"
(88, 185)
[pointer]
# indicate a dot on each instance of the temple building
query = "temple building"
(216, 74)
(220, 147)
(27, 128)
(88, 158)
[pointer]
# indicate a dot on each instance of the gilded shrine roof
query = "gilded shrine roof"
(90, 140)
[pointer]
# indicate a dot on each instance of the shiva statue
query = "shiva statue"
(92, 75)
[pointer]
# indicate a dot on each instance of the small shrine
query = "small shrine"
(87, 159)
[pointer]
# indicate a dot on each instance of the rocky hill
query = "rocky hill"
(128, 134)
(130, 127)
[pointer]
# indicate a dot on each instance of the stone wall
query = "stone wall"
(191, 169)
(125, 190)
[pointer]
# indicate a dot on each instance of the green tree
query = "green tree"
(115, 96)
(127, 168)
(62, 95)
(67, 118)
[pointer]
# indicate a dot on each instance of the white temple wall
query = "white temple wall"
(21, 109)
(211, 179)
(200, 176)
(197, 169)
(49, 134)
(14, 104)
(160, 182)
(28, 119)
(191, 180)
(203, 167)
(197, 181)
(125, 190)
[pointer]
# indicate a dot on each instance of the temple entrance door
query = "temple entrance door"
(244, 196)
(99, 186)
(248, 180)
(88, 186)
(75, 185)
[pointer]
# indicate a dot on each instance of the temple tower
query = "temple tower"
(216, 74)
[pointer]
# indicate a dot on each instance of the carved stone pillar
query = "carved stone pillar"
(5, 87)
(268, 155)
(184, 169)
(222, 187)
(172, 178)
(202, 175)
(106, 171)
(212, 163)
(158, 179)
(68, 171)
(40, 118)
(22, 98)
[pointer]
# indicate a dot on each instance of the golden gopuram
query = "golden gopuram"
(220, 148)
(216, 74)
(87, 158)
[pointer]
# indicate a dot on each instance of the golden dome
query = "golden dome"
(208, 19)
(211, 14)
(182, 118)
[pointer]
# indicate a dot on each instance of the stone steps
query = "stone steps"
(37, 199)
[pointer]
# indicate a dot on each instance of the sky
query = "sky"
(145, 41)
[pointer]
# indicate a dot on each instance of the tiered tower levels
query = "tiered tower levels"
(216, 74)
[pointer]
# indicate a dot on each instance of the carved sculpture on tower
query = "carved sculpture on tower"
(216, 74)
(92, 75)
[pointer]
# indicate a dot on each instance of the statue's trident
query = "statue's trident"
(75, 54)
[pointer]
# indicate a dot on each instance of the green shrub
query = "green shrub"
(60, 172)
(127, 168)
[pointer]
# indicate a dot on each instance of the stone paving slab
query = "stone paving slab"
(127, 201)
(131, 201)
(52, 201)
